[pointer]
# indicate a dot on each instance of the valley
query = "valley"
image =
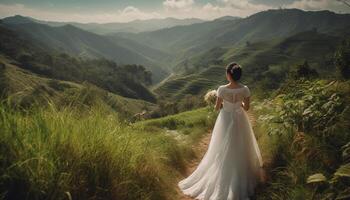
(117, 110)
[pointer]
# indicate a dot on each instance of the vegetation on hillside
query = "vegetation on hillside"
(110, 28)
(23, 90)
(126, 80)
(79, 43)
(307, 123)
(266, 63)
(72, 154)
(307, 120)
(186, 41)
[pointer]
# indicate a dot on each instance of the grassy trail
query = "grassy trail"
(200, 149)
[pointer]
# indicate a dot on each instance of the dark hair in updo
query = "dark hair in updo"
(234, 70)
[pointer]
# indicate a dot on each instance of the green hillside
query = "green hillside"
(77, 42)
(181, 39)
(149, 52)
(24, 89)
(126, 80)
(137, 26)
(178, 86)
(114, 27)
(172, 49)
(265, 64)
(187, 41)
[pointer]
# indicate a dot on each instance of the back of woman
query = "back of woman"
(230, 168)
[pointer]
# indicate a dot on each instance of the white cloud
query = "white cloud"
(239, 8)
(131, 9)
(211, 8)
(333, 5)
(131, 13)
(245, 7)
(316, 4)
(189, 9)
(178, 4)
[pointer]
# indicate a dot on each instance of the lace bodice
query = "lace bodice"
(232, 97)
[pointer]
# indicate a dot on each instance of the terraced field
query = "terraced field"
(261, 61)
(195, 84)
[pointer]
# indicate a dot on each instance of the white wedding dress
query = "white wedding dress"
(231, 166)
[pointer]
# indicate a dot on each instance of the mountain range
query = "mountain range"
(125, 80)
(135, 26)
(188, 56)
(81, 43)
(185, 41)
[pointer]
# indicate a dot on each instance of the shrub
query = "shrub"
(308, 123)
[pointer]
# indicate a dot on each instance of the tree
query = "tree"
(305, 71)
(342, 60)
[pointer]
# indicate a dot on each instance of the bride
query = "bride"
(230, 169)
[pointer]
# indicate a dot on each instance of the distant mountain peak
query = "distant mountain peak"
(69, 26)
(165, 19)
(296, 10)
(227, 17)
(18, 19)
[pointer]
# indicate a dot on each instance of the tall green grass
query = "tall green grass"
(73, 154)
(189, 126)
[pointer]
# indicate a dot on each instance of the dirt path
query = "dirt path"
(200, 148)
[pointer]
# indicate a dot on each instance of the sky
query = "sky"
(103, 11)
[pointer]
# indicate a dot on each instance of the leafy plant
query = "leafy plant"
(308, 123)
(339, 183)
(311, 108)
